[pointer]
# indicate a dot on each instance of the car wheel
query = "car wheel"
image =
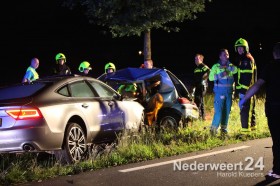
(75, 147)
(169, 122)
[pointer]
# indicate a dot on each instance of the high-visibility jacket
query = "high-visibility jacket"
(223, 83)
(247, 73)
(31, 74)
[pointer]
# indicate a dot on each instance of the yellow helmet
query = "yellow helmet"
(84, 65)
(110, 65)
(60, 56)
(128, 88)
(241, 42)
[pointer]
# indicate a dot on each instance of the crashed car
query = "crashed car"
(177, 109)
(64, 115)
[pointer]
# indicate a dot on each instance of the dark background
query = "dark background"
(44, 28)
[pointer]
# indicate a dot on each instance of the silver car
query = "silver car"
(64, 115)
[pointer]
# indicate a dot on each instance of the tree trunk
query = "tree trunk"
(147, 45)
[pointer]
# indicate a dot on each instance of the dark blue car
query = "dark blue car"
(177, 108)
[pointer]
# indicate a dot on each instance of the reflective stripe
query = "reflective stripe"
(242, 86)
(252, 71)
(245, 71)
(198, 70)
(223, 85)
(244, 130)
(35, 74)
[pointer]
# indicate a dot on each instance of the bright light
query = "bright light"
(140, 52)
(24, 113)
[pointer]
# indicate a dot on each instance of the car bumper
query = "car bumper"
(29, 139)
(191, 111)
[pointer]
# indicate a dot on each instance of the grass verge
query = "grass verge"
(27, 167)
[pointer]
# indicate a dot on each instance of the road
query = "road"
(245, 163)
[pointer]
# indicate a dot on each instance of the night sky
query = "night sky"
(44, 28)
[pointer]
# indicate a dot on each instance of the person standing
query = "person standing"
(272, 105)
(148, 63)
(201, 74)
(84, 68)
(246, 77)
(31, 73)
(108, 68)
(222, 75)
(61, 68)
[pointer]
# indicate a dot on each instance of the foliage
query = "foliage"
(128, 17)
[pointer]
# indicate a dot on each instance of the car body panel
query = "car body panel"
(101, 117)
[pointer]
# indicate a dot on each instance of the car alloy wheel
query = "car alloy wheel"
(75, 142)
(75, 146)
(169, 122)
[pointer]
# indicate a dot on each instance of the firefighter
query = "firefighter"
(31, 74)
(84, 68)
(246, 77)
(61, 68)
(109, 68)
(222, 75)
(201, 74)
(128, 90)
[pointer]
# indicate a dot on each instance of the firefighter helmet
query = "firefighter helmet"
(110, 65)
(60, 56)
(241, 42)
(84, 65)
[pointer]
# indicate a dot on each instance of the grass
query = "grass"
(26, 167)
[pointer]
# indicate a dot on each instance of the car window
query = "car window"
(81, 89)
(180, 87)
(20, 91)
(102, 90)
(64, 91)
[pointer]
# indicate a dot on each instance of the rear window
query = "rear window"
(20, 91)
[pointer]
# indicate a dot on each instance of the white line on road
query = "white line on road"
(183, 159)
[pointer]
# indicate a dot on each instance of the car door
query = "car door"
(115, 116)
(95, 111)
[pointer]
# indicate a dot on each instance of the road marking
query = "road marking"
(183, 159)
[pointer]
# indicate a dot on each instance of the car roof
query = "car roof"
(134, 74)
(19, 90)
(140, 74)
(57, 78)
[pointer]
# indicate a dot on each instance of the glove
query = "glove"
(241, 103)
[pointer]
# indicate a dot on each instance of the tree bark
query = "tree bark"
(147, 45)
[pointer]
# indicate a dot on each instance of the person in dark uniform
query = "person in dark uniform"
(201, 74)
(84, 68)
(244, 79)
(268, 76)
(109, 68)
(61, 68)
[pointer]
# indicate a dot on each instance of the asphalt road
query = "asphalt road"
(244, 164)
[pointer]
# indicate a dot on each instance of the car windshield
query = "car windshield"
(20, 90)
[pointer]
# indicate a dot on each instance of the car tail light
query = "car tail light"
(183, 100)
(24, 113)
